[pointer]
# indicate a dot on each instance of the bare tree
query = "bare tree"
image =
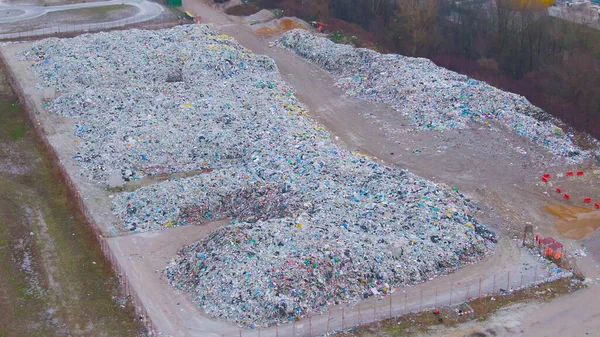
(416, 23)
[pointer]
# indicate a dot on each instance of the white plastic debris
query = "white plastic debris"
(434, 98)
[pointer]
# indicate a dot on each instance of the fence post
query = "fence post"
(343, 318)
(375, 310)
(521, 286)
(451, 286)
(494, 285)
(405, 296)
(535, 275)
(508, 282)
(479, 287)
(421, 301)
(390, 305)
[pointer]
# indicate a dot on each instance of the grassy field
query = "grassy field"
(54, 280)
(99, 14)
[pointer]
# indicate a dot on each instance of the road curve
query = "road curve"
(146, 11)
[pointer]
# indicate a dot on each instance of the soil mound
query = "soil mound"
(574, 222)
(281, 25)
(242, 10)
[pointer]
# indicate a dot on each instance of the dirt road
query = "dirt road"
(146, 11)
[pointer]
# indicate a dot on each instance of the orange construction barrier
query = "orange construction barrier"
(579, 173)
(597, 205)
(570, 174)
(558, 190)
(548, 252)
(567, 196)
(546, 175)
(587, 200)
(544, 179)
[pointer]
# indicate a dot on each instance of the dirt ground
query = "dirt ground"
(575, 222)
(54, 281)
(146, 255)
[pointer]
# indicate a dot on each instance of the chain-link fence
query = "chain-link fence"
(409, 300)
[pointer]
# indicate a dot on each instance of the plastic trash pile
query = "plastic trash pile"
(312, 224)
(434, 98)
(147, 103)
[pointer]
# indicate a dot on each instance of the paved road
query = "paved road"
(9, 13)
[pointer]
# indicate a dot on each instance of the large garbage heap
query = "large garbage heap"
(433, 97)
(311, 223)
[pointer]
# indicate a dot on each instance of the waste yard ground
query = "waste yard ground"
(497, 169)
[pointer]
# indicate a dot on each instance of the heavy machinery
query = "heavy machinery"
(319, 26)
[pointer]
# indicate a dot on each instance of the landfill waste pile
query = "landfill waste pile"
(433, 97)
(148, 103)
(312, 224)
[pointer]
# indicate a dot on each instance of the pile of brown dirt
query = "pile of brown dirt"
(281, 25)
(574, 222)
(242, 10)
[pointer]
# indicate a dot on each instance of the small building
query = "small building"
(543, 243)
(550, 247)
(555, 250)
